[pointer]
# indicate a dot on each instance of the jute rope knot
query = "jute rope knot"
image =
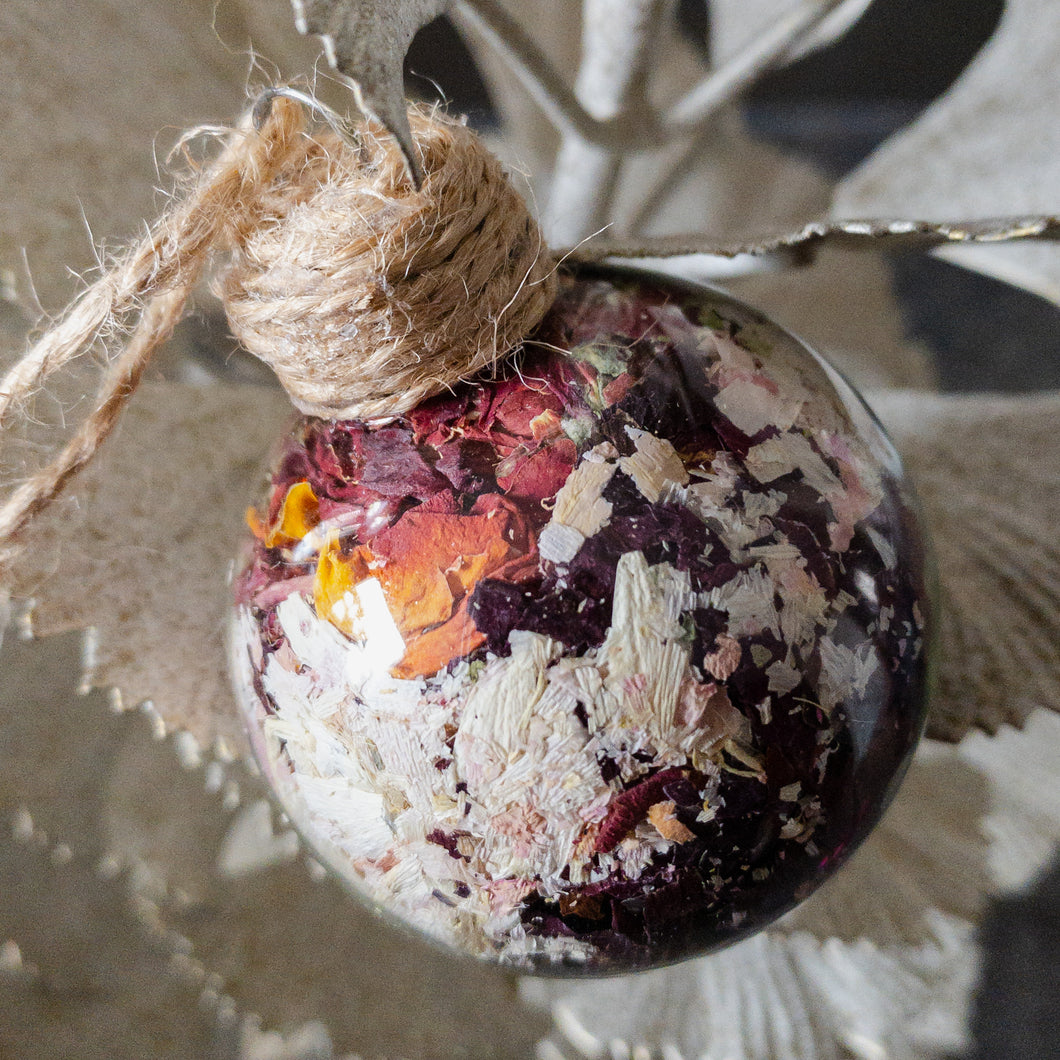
(364, 293)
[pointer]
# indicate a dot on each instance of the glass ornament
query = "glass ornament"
(604, 662)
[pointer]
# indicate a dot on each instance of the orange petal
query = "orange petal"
(547, 425)
(429, 652)
(432, 560)
(432, 650)
(299, 513)
(256, 524)
(661, 814)
(417, 596)
(466, 571)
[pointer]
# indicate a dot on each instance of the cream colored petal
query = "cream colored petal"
(882, 960)
(974, 819)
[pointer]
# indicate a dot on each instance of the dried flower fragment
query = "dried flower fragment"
(661, 814)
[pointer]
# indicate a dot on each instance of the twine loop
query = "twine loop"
(363, 292)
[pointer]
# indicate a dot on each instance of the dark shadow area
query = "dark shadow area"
(439, 68)
(836, 105)
(693, 19)
(985, 335)
(1015, 1013)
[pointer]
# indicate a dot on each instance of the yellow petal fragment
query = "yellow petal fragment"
(298, 515)
(661, 814)
(336, 576)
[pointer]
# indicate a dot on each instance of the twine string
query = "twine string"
(362, 292)
(366, 295)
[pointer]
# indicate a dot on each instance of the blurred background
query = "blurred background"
(832, 109)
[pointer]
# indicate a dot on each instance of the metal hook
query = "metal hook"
(335, 121)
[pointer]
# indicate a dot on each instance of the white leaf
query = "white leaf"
(986, 469)
(881, 961)
(844, 306)
(775, 998)
(142, 549)
(989, 146)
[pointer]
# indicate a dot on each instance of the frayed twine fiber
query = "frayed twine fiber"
(364, 294)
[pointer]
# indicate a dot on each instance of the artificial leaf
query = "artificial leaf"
(143, 551)
(136, 931)
(880, 234)
(972, 820)
(988, 146)
(771, 998)
(985, 469)
(883, 956)
(231, 933)
(148, 547)
(366, 43)
(154, 603)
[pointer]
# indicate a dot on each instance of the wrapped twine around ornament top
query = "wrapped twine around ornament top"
(364, 293)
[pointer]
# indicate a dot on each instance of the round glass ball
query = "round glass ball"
(602, 663)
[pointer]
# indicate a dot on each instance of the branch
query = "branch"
(488, 20)
(617, 44)
(690, 112)
(493, 25)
